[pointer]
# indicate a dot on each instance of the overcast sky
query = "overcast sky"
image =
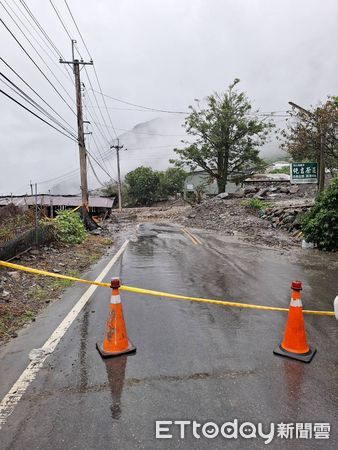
(161, 54)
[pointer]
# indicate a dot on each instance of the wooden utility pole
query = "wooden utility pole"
(321, 155)
(75, 63)
(118, 147)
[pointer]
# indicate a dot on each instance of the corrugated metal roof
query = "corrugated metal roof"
(57, 200)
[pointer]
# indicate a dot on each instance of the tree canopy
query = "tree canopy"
(306, 131)
(226, 134)
(144, 185)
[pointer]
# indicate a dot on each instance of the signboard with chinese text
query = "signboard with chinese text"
(304, 172)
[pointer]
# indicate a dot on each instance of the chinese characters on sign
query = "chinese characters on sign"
(304, 172)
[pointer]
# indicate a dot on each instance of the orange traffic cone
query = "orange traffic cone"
(294, 344)
(115, 340)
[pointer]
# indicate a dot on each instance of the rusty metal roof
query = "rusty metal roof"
(57, 200)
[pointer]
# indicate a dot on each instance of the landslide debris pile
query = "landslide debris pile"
(287, 218)
(232, 217)
(263, 191)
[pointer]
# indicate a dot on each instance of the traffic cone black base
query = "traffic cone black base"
(304, 357)
(129, 349)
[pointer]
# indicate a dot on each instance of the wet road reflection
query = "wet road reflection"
(194, 361)
(116, 372)
(293, 381)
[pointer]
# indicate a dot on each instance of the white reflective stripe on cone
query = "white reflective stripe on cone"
(115, 299)
(296, 302)
(335, 305)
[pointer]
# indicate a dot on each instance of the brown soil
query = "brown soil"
(23, 295)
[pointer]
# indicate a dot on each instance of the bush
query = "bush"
(285, 170)
(171, 182)
(142, 185)
(69, 227)
(254, 203)
(320, 224)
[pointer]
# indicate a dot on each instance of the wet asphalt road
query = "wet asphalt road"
(193, 362)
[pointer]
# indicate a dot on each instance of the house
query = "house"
(201, 179)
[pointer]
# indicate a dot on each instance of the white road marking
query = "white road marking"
(11, 399)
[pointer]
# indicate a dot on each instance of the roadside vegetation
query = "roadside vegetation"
(72, 250)
(23, 295)
(320, 224)
(311, 135)
(285, 170)
(255, 204)
(69, 227)
(14, 221)
(144, 186)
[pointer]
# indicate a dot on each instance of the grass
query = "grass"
(255, 203)
(41, 290)
(15, 225)
(37, 293)
(59, 283)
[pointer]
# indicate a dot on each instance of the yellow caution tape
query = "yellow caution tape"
(159, 293)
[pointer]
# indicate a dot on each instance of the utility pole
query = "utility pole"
(320, 156)
(118, 147)
(75, 63)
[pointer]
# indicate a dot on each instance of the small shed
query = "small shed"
(96, 204)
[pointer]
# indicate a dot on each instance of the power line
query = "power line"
(60, 18)
(38, 53)
(33, 113)
(97, 103)
(31, 34)
(36, 93)
(42, 30)
(150, 134)
(98, 128)
(78, 30)
(33, 103)
(37, 66)
(60, 177)
(95, 72)
(145, 107)
(94, 173)
(90, 154)
(101, 130)
(39, 26)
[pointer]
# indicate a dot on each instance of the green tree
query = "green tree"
(307, 131)
(110, 189)
(142, 185)
(320, 224)
(171, 182)
(226, 136)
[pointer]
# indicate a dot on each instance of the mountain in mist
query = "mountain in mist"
(149, 144)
